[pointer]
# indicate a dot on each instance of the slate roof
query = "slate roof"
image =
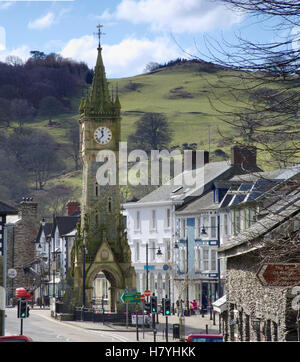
(47, 230)
(66, 224)
(206, 202)
(173, 190)
(280, 212)
(7, 210)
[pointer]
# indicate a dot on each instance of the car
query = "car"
(205, 338)
(19, 338)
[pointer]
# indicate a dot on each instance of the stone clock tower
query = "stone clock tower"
(101, 243)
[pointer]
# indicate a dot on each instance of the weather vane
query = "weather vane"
(99, 32)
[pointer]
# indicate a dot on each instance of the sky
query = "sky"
(136, 32)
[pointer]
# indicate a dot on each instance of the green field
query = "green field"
(188, 97)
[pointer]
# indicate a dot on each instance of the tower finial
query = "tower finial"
(99, 33)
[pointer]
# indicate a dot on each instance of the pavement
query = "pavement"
(192, 325)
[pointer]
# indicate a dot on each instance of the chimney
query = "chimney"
(245, 157)
(72, 206)
(27, 208)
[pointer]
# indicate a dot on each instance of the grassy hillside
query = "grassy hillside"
(181, 92)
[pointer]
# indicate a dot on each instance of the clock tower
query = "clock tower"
(101, 244)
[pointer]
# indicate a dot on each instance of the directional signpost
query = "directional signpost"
(279, 275)
(130, 297)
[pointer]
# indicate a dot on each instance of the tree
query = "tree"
(73, 147)
(35, 151)
(5, 117)
(50, 106)
(153, 132)
(21, 111)
(271, 69)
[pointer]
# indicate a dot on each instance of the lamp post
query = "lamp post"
(159, 253)
(83, 271)
(186, 271)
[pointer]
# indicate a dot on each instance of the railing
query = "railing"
(93, 315)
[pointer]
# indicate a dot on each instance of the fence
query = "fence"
(92, 315)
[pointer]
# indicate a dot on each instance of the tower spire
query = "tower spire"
(99, 100)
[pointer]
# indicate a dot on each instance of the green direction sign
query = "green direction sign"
(130, 297)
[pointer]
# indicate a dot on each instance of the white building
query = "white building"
(152, 221)
(151, 226)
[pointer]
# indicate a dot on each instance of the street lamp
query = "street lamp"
(159, 253)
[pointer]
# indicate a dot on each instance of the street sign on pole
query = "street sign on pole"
(142, 298)
(279, 275)
(147, 293)
(130, 297)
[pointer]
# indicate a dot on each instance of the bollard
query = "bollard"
(206, 328)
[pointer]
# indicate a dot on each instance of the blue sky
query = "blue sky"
(136, 31)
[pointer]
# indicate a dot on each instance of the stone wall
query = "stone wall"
(255, 312)
(20, 245)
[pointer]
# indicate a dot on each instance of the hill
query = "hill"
(186, 92)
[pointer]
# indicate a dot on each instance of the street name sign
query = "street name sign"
(279, 275)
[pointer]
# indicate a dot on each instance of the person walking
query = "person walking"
(178, 307)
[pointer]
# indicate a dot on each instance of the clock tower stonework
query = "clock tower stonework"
(101, 244)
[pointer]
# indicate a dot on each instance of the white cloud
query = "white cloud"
(22, 52)
(177, 16)
(127, 58)
(41, 23)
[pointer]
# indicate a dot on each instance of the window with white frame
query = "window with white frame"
(205, 220)
(137, 221)
(237, 222)
(183, 228)
(213, 227)
(197, 259)
(198, 227)
(167, 250)
(152, 250)
(168, 218)
(137, 251)
(225, 224)
(153, 220)
(205, 259)
(213, 260)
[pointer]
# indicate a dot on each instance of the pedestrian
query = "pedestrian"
(178, 307)
(194, 306)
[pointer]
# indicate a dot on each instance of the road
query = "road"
(40, 327)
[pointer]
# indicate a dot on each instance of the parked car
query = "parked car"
(19, 338)
(205, 338)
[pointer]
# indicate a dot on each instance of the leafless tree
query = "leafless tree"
(258, 93)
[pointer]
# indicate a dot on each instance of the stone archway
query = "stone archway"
(112, 275)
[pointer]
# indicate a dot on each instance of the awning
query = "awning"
(220, 305)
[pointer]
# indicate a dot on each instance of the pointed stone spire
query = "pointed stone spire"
(99, 99)
(117, 103)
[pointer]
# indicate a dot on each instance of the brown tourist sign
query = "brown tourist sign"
(279, 275)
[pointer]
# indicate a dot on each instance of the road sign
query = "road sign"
(147, 293)
(12, 273)
(279, 275)
(130, 297)
(142, 298)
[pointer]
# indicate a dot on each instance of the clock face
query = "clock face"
(103, 135)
